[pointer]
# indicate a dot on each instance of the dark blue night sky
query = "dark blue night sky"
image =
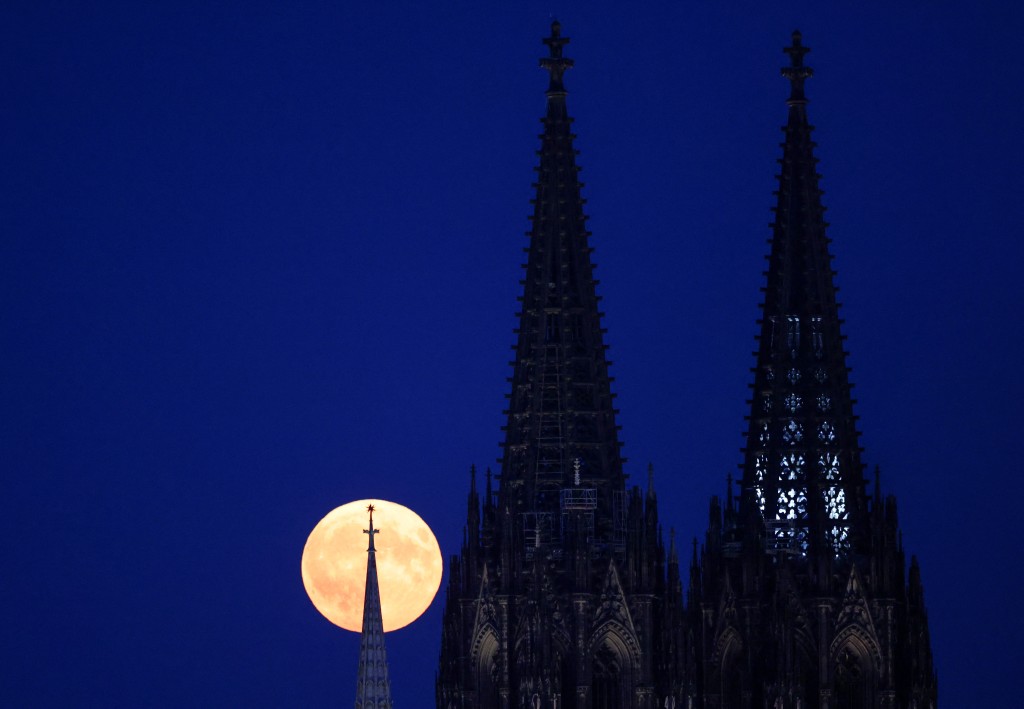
(260, 259)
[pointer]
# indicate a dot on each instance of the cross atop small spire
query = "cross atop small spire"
(371, 531)
(797, 73)
(556, 64)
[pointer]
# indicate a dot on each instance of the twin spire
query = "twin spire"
(561, 422)
(802, 475)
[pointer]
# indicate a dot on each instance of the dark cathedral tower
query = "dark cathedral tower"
(799, 598)
(561, 596)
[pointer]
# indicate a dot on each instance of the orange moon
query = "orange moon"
(408, 564)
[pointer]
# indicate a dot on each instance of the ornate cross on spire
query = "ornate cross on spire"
(556, 64)
(797, 73)
(371, 531)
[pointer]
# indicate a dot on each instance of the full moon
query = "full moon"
(408, 564)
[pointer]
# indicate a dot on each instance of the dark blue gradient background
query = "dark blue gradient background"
(260, 259)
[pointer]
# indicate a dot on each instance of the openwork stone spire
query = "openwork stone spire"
(559, 596)
(802, 471)
(373, 689)
(561, 421)
(799, 598)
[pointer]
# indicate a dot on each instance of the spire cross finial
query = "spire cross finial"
(371, 531)
(797, 73)
(556, 64)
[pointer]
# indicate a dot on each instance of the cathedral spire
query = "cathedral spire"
(570, 602)
(802, 472)
(561, 422)
(373, 689)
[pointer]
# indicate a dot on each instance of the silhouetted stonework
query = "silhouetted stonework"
(564, 595)
(799, 597)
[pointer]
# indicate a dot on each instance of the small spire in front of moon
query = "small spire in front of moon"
(334, 564)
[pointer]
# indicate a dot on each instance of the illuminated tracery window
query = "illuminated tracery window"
(835, 502)
(793, 402)
(828, 463)
(792, 503)
(792, 433)
(760, 466)
(791, 538)
(826, 433)
(839, 538)
(792, 467)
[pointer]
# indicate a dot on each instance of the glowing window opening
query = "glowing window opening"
(792, 432)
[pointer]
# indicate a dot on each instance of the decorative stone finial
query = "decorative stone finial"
(797, 73)
(556, 64)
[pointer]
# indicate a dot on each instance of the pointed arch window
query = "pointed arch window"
(552, 332)
(487, 673)
(852, 680)
(838, 537)
(817, 338)
(793, 335)
(760, 466)
(576, 327)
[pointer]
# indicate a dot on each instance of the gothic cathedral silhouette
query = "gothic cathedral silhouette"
(564, 595)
